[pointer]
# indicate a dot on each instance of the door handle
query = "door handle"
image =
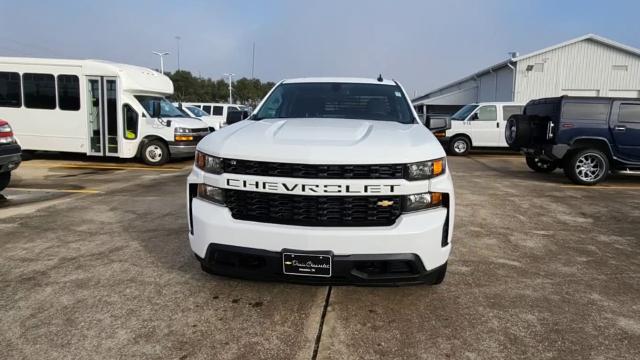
(498, 125)
(620, 128)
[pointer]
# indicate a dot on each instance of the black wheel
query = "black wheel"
(517, 132)
(154, 153)
(439, 275)
(587, 166)
(537, 164)
(5, 178)
(459, 146)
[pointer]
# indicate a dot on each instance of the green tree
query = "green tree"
(190, 88)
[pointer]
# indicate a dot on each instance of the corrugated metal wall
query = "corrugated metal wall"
(583, 68)
(496, 85)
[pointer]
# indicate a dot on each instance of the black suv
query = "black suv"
(9, 154)
(587, 136)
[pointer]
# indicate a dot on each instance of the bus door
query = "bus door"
(102, 115)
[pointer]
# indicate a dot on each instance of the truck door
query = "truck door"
(625, 126)
(483, 126)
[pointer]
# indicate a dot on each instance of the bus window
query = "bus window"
(217, 110)
(207, 109)
(10, 89)
(68, 92)
(130, 117)
(39, 91)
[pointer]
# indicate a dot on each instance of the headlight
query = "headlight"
(417, 202)
(180, 130)
(211, 193)
(425, 169)
(208, 163)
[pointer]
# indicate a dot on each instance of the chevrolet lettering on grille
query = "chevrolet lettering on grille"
(307, 188)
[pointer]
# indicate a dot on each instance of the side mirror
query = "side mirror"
(474, 116)
(156, 110)
(437, 123)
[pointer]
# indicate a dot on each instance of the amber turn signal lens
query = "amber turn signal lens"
(436, 199)
(438, 167)
(184, 138)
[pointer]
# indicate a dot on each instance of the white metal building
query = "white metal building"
(586, 66)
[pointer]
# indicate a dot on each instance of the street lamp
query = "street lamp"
(178, 40)
(229, 75)
(161, 54)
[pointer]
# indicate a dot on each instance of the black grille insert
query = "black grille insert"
(308, 171)
(313, 210)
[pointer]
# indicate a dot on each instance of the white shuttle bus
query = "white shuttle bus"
(95, 107)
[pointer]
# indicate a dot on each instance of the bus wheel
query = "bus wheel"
(154, 153)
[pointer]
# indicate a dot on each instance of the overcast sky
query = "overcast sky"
(423, 44)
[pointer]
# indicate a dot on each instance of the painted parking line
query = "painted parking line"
(78, 191)
(103, 167)
(496, 157)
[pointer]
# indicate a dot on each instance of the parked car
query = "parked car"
(331, 180)
(218, 111)
(9, 154)
(479, 125)
(214, 122)
(587, 136)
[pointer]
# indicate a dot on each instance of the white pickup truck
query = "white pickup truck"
(331, 180)
(479, 125)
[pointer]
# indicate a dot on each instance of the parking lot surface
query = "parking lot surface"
(95, 263)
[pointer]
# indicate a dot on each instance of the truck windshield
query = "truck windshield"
(337, 100)
(464, 112)
(167, 109)
(196, 112)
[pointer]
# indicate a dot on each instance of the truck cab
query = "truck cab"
(479, 125)
(587, 136)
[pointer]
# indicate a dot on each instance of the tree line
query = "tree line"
(189, 88)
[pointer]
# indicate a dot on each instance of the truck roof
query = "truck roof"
(354, 80)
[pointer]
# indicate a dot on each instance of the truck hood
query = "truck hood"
(187, 122)
(324, 141)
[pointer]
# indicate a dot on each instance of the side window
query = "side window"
(39, 91)
(68, 92)
(488, 113)
(585, 111)
(207, 109)
(509, 110)
(10, 94)
(217, 110)
(130, 117)
(629, 113)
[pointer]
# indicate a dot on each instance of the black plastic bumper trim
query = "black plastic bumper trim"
(258, 264)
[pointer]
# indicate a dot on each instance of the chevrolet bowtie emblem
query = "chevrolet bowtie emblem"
(385, 203)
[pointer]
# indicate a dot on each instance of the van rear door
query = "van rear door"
(625, 126)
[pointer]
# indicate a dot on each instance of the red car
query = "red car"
(9, 154)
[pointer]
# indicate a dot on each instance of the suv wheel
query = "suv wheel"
(459, 146)
(5, 177)
(155, 153)
(587, 167)
(537, 164)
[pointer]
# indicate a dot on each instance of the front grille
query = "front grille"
(312, 210)
(308, 171)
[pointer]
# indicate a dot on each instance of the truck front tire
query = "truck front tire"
(5, 178)
(459, 146)
(537, 164)
(587, 166)
(155, 153)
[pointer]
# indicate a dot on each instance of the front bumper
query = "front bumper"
(178, 149)
(10, 157)
(369, 269)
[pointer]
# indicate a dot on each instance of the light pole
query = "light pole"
(161, 54)
(178, 40)
(230, 97)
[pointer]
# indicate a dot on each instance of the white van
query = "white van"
(217, 111)
(479, 125)
(95, 107)
(213, 122)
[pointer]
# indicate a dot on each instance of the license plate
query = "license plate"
(306, 264)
